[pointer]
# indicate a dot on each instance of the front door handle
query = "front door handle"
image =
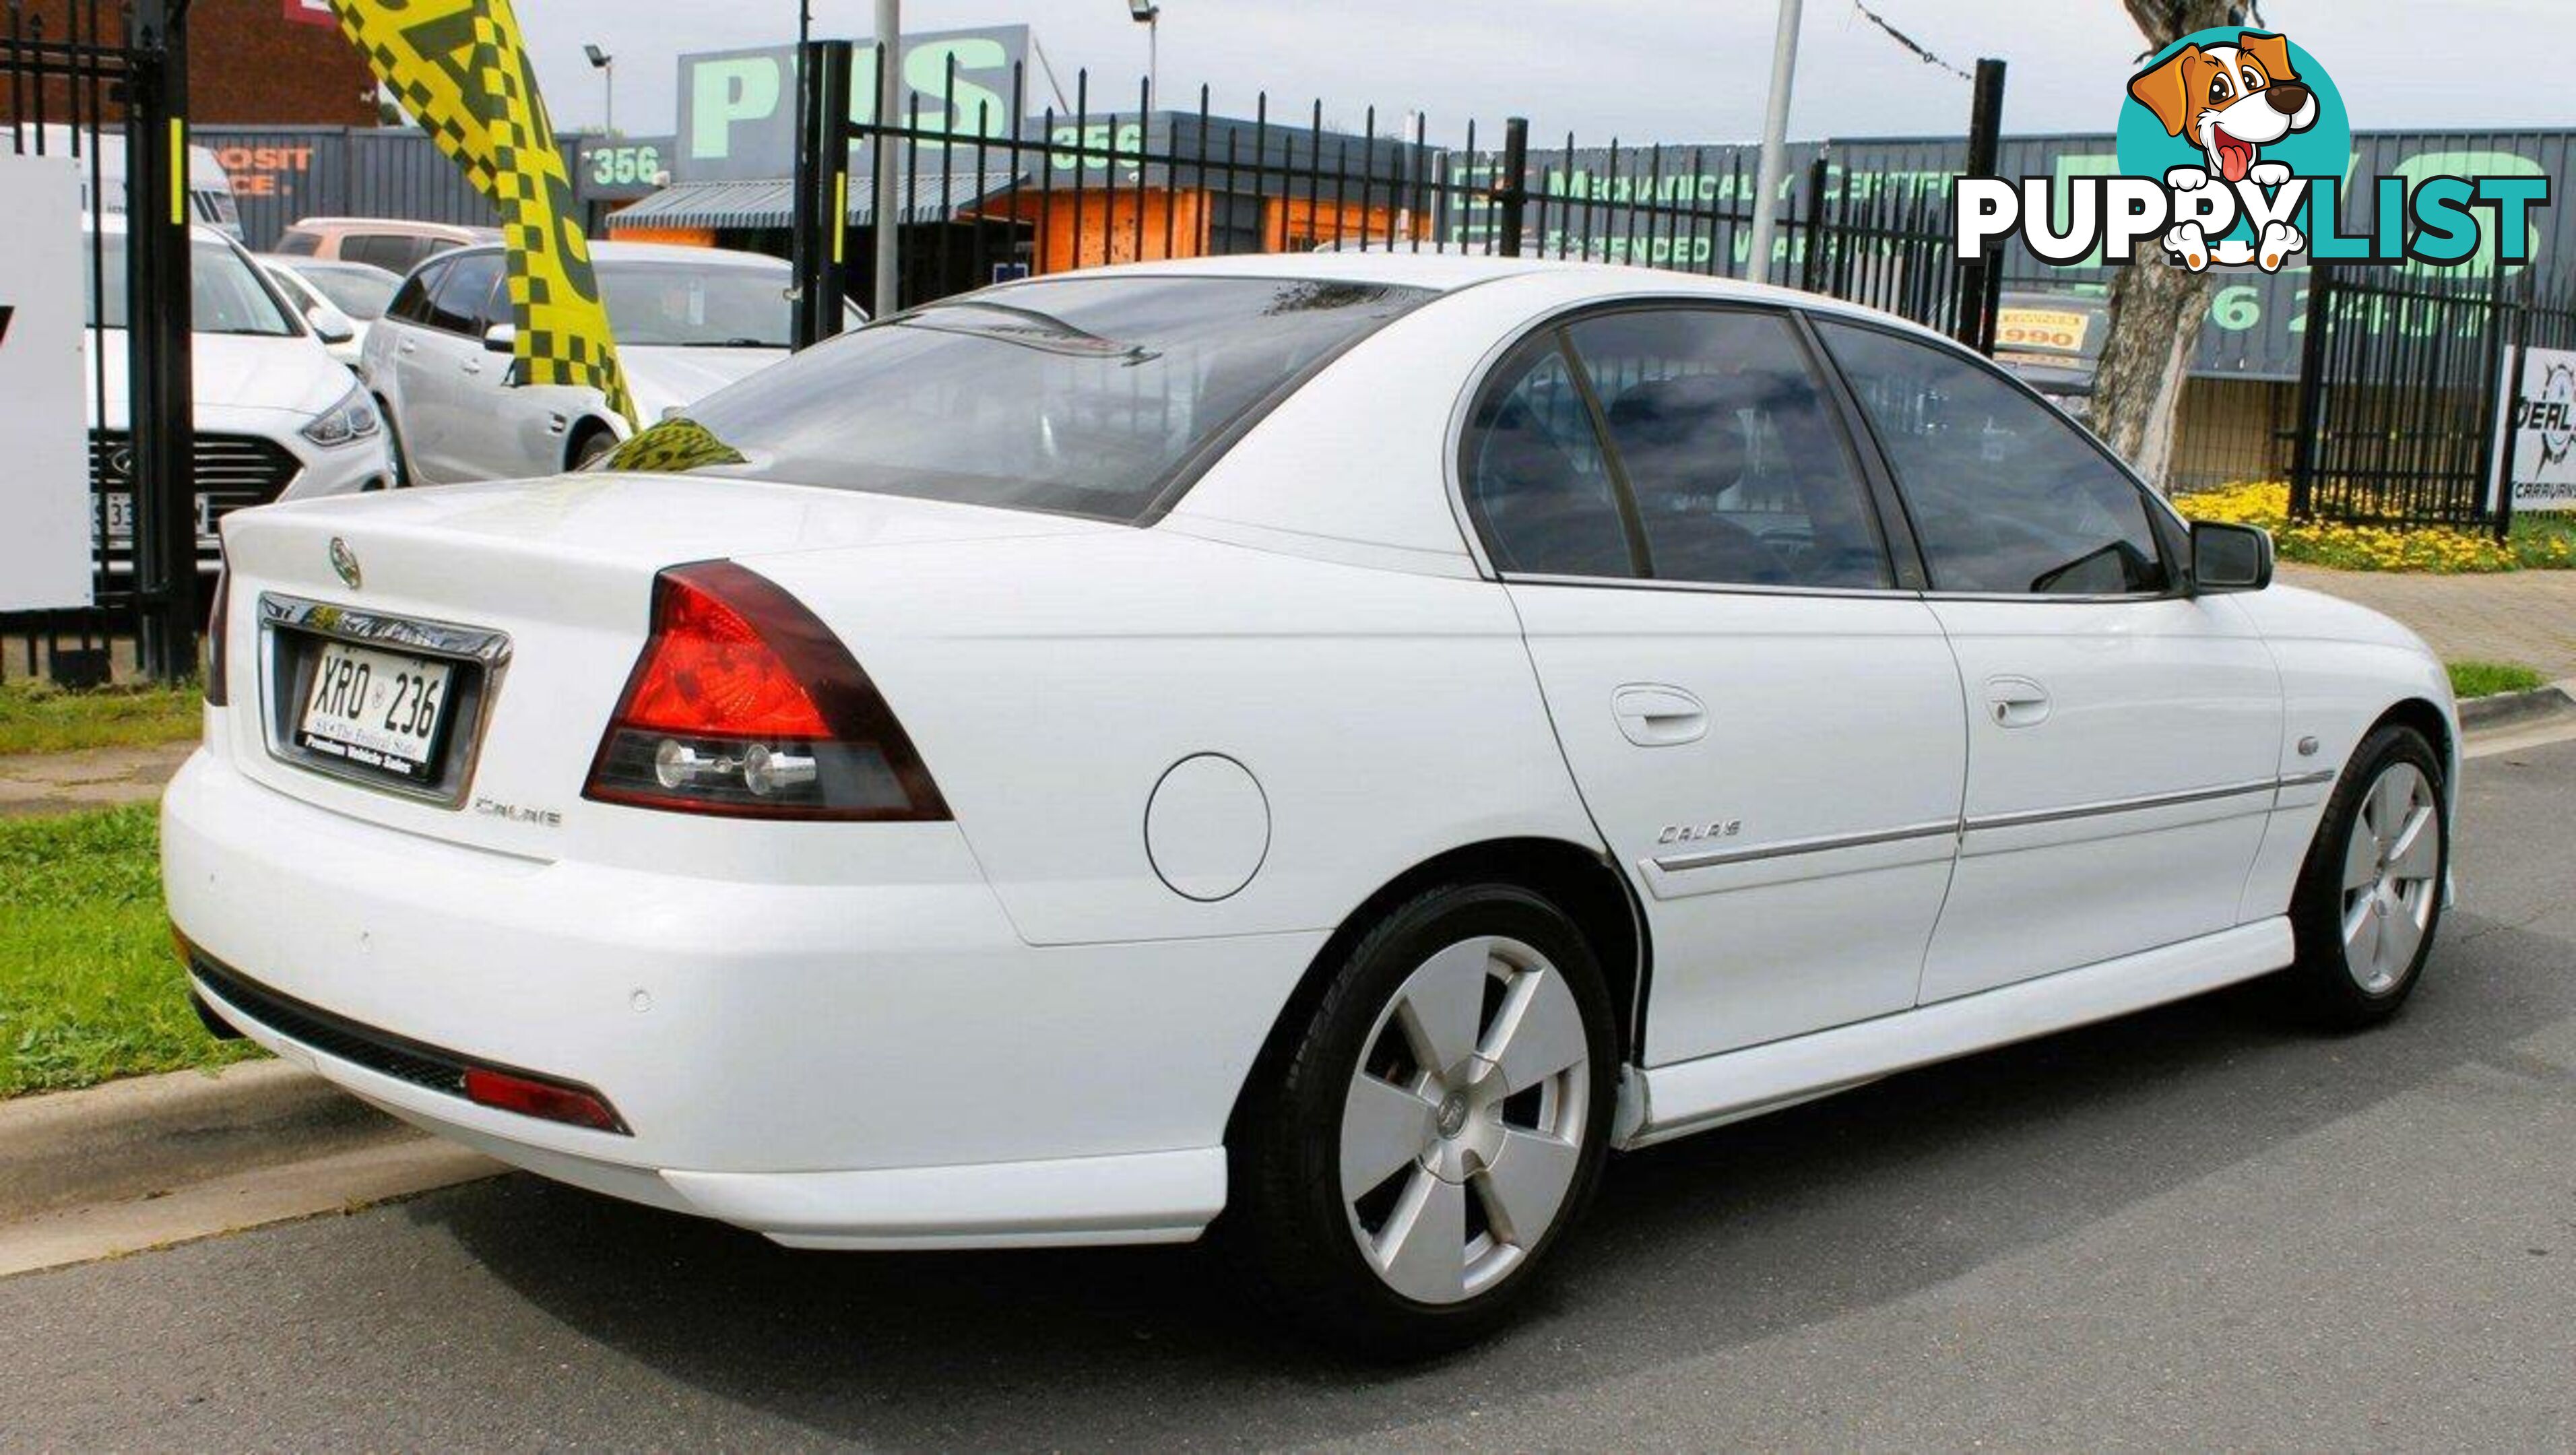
(408, 346)
(473, 366)
(2016, 702)
(1652, 715)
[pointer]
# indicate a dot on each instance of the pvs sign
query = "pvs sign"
(2233, 149)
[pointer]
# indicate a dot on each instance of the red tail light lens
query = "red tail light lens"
(216, 618)
(743, 703)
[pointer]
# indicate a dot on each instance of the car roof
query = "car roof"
(307, 263)
(616, 252)
(1452, 271)
(398, 225)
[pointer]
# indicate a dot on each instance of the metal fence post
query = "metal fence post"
(822, 189)
(161, 405)
(1980, 284)
(1511, 192)
(2502, 428)
(2312, 385)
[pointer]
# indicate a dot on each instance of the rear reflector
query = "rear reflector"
(743, 703)
(509, 1091)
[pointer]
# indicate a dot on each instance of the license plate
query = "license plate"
(380, 711)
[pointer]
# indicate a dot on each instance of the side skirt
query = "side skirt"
(1660, 1103)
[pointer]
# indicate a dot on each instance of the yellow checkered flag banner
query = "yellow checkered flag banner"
(458, 67)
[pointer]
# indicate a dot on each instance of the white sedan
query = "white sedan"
(1340, 742)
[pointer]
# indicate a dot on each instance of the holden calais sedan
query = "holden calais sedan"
(1326, 748)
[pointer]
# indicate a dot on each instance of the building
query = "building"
(268, 62)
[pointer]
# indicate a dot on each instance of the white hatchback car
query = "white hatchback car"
(277, 417)
(1342, 742)
(687, 320)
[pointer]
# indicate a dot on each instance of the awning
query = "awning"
(770, 202)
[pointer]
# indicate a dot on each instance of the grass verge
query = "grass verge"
(38, 717)
(2539, 542)
(88, 988)
(2486, 679)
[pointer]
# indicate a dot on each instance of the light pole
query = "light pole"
(1150, 15)
(887, 296)
(606, 64)
(1775, 129)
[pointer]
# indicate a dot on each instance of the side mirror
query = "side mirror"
(2229, 557)
(501, 338)
(331, 328)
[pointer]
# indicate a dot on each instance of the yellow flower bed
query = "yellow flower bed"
(2346, 547)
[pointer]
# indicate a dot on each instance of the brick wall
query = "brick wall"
(247, 63)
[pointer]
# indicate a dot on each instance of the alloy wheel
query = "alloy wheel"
(1463, 1128)
(2391, 861)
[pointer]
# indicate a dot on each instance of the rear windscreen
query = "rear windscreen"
(1082, 396)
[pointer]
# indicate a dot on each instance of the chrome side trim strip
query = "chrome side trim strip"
(1673, 863)
(1678, 863)
(2118, 805)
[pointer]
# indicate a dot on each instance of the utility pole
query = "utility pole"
(1775, 135)
(889, 211)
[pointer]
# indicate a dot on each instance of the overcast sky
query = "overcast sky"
(1657, 70)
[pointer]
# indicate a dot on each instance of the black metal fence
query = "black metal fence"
(105, 84)
(1019, 191)
(2402, 377)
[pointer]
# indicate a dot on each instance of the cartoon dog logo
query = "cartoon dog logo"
(2231, 101)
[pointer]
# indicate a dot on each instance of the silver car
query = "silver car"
(687, 320)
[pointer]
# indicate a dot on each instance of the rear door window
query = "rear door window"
(1721, 432)
(463, 298)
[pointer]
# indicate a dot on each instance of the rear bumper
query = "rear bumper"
(834, 1066)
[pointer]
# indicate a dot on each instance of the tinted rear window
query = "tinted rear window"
(1081, 396)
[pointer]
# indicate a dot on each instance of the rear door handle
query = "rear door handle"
(408, 346)
(1652, 715)
(2016, 702)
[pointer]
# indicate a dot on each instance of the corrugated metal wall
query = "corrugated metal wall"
(282, 173)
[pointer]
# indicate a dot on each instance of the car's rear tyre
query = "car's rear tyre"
(2369, 899)
(1409, 1157)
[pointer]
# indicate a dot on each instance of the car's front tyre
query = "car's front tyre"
(1402, 1171)
(2370, 895)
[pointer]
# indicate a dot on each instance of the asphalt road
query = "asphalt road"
(2191, 1227)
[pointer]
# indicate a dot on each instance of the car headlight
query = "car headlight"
(345, 423)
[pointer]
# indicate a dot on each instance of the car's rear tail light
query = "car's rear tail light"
(216, 618)
(743, 703)
(551, 1100)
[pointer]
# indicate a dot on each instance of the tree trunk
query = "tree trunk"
(2154, 325)
(2156, 308)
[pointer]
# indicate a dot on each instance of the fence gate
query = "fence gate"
(2399, 379)
(105, 86)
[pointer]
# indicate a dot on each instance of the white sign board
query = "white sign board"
(2538, 423)
(44, 446)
